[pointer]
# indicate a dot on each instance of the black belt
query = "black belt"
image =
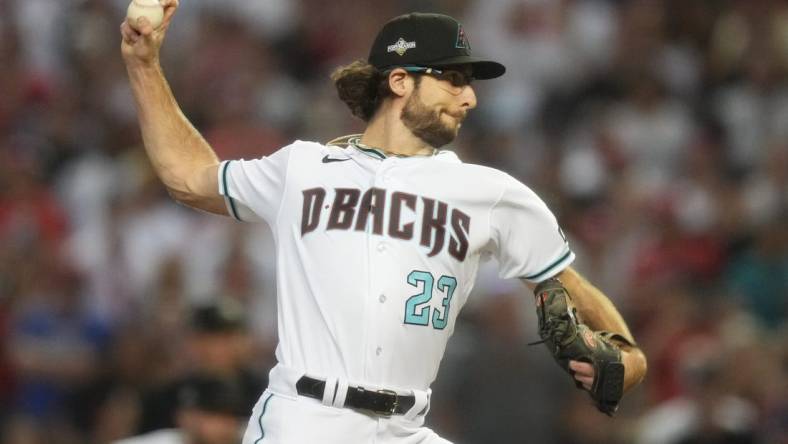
(382, 402)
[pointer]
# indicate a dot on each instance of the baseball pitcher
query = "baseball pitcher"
(379, 237)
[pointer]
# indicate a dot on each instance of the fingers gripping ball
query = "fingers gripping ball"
(150, 9)
(568, 339)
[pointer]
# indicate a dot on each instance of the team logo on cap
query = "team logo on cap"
(401, 46)
(462, 41)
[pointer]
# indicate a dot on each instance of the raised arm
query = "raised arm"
(181, 157)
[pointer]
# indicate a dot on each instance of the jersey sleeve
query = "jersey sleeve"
(527, 240)
(253, 189)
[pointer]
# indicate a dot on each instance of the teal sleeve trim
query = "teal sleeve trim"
(260, 419)
(549, 268)
(233, 210)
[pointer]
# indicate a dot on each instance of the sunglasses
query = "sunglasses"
(456, 78)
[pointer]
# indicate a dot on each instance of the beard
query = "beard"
(426, 124)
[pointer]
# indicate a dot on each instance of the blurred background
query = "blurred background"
(657, 131)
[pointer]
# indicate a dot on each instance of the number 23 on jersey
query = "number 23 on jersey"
(418, 310)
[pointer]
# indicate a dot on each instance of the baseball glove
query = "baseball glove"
(568, 339)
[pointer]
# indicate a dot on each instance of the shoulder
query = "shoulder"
(297, 150)
(513, 192)
(304, 146)
(307, 145)
(450, 159)
(307, 148)
(480, 173)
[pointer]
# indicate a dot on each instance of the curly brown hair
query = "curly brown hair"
(362, 87)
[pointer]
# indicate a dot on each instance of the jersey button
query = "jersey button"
(378, 351)
(382, 298)
(382, 247)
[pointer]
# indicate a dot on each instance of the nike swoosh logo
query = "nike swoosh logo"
(327, 159)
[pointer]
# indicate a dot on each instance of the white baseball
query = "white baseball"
(150, 9)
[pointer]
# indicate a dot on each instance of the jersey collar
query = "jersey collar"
(379, 154)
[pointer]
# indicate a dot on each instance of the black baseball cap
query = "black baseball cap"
(429, 40)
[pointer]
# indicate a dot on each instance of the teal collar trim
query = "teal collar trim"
(368, 150)
(380, 154)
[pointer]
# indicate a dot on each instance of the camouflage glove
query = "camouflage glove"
(568, 339)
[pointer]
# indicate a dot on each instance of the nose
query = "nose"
(468, 97)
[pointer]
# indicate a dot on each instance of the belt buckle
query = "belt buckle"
(393, 406)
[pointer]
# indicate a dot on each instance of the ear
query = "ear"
(400, 82)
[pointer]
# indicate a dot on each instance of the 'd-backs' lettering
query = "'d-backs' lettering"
(352, 209)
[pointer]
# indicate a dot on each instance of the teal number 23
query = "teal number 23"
(417, 308)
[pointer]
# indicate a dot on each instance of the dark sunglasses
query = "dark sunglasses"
(453, 76)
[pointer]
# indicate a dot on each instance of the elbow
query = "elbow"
(183, 190)
(191, 199)
(184, 197)
(196, 188)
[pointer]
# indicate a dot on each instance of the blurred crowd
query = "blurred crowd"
(657, 131)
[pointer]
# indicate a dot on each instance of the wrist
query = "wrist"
(138, 64)
(144, 73)
(635, 366)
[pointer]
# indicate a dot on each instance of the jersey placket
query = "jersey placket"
(378, 303)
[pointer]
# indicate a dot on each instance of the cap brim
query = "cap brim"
(482, 69)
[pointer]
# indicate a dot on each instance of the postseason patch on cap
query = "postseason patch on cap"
(401, 47)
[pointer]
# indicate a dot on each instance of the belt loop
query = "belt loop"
(341, 393)
(330, 391)
(421, 404)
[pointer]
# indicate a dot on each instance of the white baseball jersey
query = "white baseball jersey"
(376, 255)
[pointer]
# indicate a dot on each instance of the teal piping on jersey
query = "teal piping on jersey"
(226, 193)
(372, 152)
(380, 154)
(260, 419)
(550, 268)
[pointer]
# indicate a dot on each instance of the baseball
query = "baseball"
(150, 9)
